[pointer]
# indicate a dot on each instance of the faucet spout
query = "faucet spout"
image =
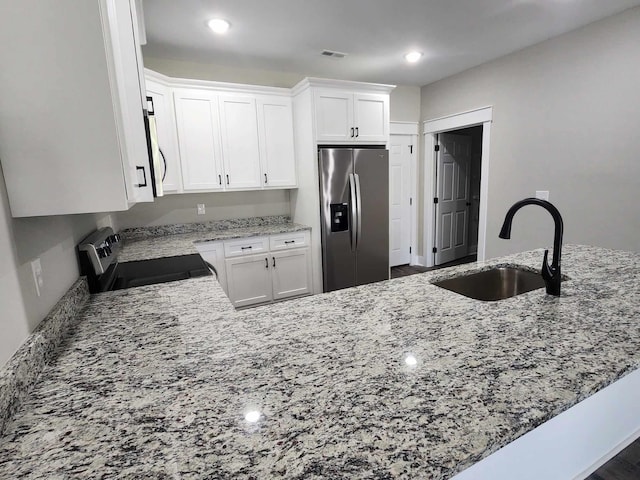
(550, 273)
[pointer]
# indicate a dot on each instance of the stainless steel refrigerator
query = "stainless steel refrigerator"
(354, 196)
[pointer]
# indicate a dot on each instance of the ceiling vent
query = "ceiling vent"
(331, 53)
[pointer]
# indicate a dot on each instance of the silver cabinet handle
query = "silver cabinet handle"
(227, 179)
(359, 199)
(357, 132)
(164, 160)
(220, 179)
(351, 132)
(246, 248)
(274, 262)
(265, 178)
(266, 262)
(354, 210)
(287, 242)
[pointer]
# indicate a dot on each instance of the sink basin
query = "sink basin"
(497, 283)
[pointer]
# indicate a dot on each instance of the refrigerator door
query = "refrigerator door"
(336, 193)
(371, 167)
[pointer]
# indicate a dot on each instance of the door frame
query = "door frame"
(430, 129)
(410, 129)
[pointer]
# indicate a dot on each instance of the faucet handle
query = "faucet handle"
(547, 273)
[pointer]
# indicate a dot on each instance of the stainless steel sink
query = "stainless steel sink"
(497, 283)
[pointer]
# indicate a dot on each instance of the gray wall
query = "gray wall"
(218, 206)
(566, 119)
(404, 102)
(53, 240)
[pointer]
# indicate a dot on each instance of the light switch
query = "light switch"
(201, 209)
(542, 194)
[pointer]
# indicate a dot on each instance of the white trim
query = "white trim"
(340, 84)
(459, 120)
(218, 86)
(403, 128)
(419, 261)
(411, 129)
(482, 116)
(573, 444)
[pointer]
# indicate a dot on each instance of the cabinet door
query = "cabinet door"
(197, 121)
(291, 273)
(126, 70)
(240, 151)
(213, 253)
(249, 280)
(167, 137)
(275, 129)
(371, 117)
(334, 116)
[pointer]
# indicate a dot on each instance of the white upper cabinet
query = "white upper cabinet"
(347, 117)
(229, 136)
(334, 116)
(240, 150)
(371, 117)
(167, 136)
(72, 135)
(198, 139)
(275, 132)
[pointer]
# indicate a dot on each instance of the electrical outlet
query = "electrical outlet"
(542, 194)
(36, 268)
(201, 209)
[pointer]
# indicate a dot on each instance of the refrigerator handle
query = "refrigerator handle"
(359, 209)
(354, 210)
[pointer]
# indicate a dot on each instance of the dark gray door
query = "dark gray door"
(337, 208)
(372, 176)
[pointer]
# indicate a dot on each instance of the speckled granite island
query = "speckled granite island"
(155, 382)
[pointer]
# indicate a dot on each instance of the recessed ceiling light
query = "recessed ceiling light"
(413, 57)
(218, 25)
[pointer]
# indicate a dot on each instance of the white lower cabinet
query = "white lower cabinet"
(249, 280)
(291, 273)
(262, 269)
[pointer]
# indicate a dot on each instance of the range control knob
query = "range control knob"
(101, 252)
(115, 238)
(107, 250)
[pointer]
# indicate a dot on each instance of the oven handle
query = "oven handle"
(211, 268)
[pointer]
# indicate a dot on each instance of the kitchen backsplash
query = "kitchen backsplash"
(177, 228)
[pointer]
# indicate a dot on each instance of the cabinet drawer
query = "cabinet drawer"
(246, 246)
(289, 240)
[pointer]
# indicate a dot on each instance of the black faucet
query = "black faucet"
(550, 273)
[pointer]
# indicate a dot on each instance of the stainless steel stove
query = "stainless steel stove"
(98, 255)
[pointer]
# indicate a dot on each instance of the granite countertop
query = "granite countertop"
(155, 382)
(184, 243)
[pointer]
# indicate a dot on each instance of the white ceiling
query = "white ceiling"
(288, 35)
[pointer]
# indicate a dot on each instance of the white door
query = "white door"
(240, 150)
(452, 209)
(291, 273)
(275, 128)
(371, 120)
(198, 137)
(334, 116)
(167, 136)
(400, 152)
(249, 280)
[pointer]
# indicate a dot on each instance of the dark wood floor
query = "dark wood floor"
(404, 270)
(624, 466)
